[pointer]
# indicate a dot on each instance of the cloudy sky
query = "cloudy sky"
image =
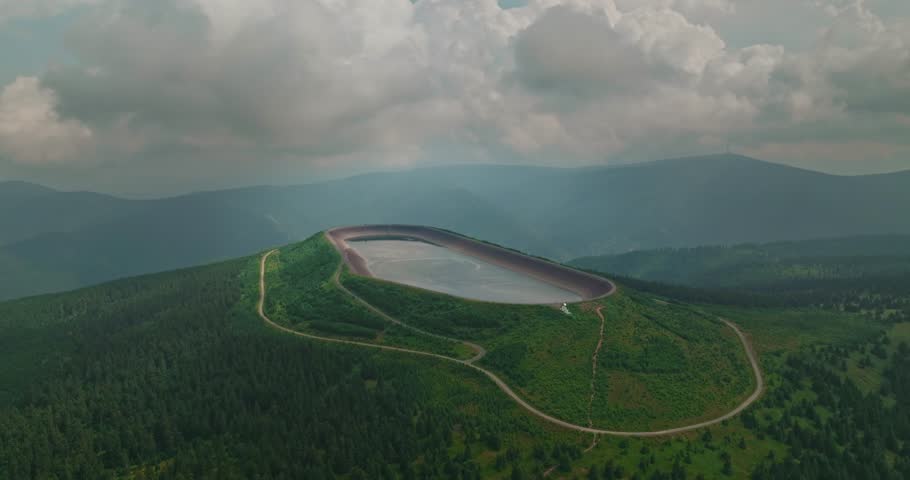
(153, 97)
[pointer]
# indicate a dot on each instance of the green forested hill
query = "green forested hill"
(174, 376)
(652, 351)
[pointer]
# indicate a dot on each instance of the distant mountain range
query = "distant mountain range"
(55, 240)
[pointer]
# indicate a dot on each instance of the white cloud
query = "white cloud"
(31, 131)
(681, 80)
(698, 11)
(378, 81)
(669, 38)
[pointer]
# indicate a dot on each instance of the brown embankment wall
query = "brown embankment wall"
(585, 285)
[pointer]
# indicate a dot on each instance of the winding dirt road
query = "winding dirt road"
(497, 381)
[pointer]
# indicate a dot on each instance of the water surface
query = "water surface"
(439, 269)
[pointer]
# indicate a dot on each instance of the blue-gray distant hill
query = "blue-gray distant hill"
(775, 266)
(54, 240)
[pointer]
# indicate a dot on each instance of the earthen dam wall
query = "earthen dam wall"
(585, 285)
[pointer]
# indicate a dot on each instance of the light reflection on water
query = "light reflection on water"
(435, 268)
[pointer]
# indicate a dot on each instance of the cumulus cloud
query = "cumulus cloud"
(383, 81)
(594, 60)
(31, 131)
(657, 74)
(646, 72)
(305, 75)
(867, 62)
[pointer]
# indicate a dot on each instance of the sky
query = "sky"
(149, 98)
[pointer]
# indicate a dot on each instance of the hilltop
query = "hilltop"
(212, 391)
(198, 330)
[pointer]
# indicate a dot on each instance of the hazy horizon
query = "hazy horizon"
(168, 193)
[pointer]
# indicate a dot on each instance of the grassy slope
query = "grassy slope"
(654, 354)
(667, 364)
(547, 356)
(303, 296)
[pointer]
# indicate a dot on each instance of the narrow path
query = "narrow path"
(600, 343)
(505, 388)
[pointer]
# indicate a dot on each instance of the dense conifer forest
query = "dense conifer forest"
(172, 376)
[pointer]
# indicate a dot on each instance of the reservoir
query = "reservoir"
(436, 268)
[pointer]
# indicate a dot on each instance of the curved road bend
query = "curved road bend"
(759, 384)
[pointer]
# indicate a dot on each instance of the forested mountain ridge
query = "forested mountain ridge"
(555, 212)
(27, 210)
(14, 191)
(172, 376)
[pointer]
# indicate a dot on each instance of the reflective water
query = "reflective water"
(440, 269)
